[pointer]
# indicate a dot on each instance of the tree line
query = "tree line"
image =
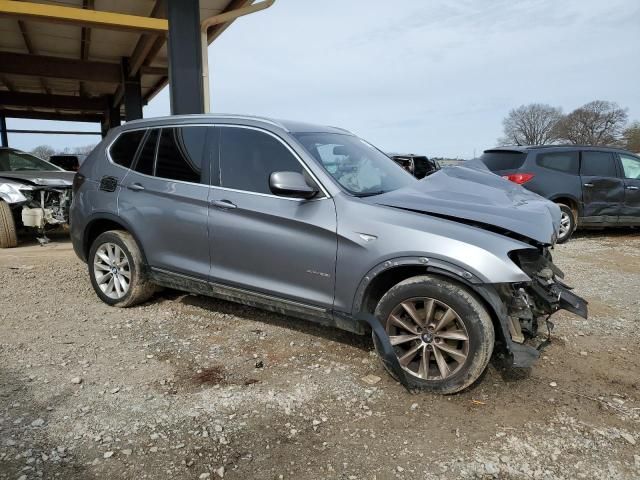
(46, 152)
(596, 123)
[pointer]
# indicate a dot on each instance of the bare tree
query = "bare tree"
(596, 123)
(631, 137)
(43, 151)
(533, 124)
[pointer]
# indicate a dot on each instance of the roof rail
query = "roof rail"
(214, 116)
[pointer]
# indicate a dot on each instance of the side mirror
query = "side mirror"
(291, 184)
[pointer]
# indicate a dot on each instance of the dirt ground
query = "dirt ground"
(191, 387)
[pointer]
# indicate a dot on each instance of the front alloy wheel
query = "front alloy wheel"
(429, 338)
(441, 333)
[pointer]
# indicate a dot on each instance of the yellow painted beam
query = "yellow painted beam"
(82, 17)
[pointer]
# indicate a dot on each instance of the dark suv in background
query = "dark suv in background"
(593, 186)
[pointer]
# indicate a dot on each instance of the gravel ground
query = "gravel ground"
(191, 387)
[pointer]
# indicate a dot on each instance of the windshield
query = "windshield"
(357, 166)
(16, 161)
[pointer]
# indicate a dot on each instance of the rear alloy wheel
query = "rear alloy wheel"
(117, 270)
(442, 336)
(567, 223)
(8, 234)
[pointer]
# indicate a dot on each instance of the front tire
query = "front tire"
(117, 270)
(442, 335)
(567, 223)
(8, 234)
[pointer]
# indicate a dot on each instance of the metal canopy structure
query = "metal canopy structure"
(102, 60)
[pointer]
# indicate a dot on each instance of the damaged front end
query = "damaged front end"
(38, 207)
(529, 305)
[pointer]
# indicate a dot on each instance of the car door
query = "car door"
(283, 247)
(164, 198)
(630, 211)
(602, 187)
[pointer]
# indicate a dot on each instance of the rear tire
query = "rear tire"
(8, 234)
(117, 270)
(444, 323)
(567, 223)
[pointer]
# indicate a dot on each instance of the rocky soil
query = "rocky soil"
(190, 387)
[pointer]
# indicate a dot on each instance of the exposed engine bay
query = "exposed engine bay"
(530, 303)
(45, 206)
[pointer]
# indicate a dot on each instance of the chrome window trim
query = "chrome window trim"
(230, 125)
(288, 147)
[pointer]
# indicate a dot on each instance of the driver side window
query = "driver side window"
(630, 166)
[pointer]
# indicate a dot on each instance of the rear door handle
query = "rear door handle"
(136, 187)
(588, 185)
(224, 204)
(633, 188)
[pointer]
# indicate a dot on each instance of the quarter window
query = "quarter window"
(125, 147)
(249, 157)
(598, 164)
(561, 161)
(147, 154)
(180, 153)
(630, 166)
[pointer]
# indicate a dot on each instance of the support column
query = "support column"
(132, 93)
(111, 117)
(4, 138)
(185, 57)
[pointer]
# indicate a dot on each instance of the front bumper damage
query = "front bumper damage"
(528, 306)
(38, 207)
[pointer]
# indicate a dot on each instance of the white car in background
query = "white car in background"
(34, 195)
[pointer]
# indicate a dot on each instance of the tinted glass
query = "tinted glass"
(561, 161)
(249, 157)
(496, 160)
(630, 166)
(147, 154)
(124, 149)
(356, 165)
(17, 161)
(598, 164)
(180, 153)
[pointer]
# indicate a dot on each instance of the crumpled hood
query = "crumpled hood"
(473, 193)
(44, 179)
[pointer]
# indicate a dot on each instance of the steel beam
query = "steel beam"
(82, 17)
(53, 132)
(58, 67)
(63, 116)
(132, 93)
(111, 117)
(62, 102)
(4, 138)
(185, 57)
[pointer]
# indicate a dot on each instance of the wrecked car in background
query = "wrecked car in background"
(419, 166)
(34, 195)
(316, 223)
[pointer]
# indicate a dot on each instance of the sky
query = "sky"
(432, 77)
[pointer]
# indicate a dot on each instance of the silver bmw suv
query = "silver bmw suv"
(316, 223)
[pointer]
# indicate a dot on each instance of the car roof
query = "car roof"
(529, 148)
(286, 125)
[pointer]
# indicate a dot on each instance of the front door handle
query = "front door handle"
(224, 204)
(588, 185)
(632, 188)
(136, 187)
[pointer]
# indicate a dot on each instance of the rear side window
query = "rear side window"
(598, 164)
(496, 160)
(180, 153)
(147, 154)
(561, 161)
(124, 148)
